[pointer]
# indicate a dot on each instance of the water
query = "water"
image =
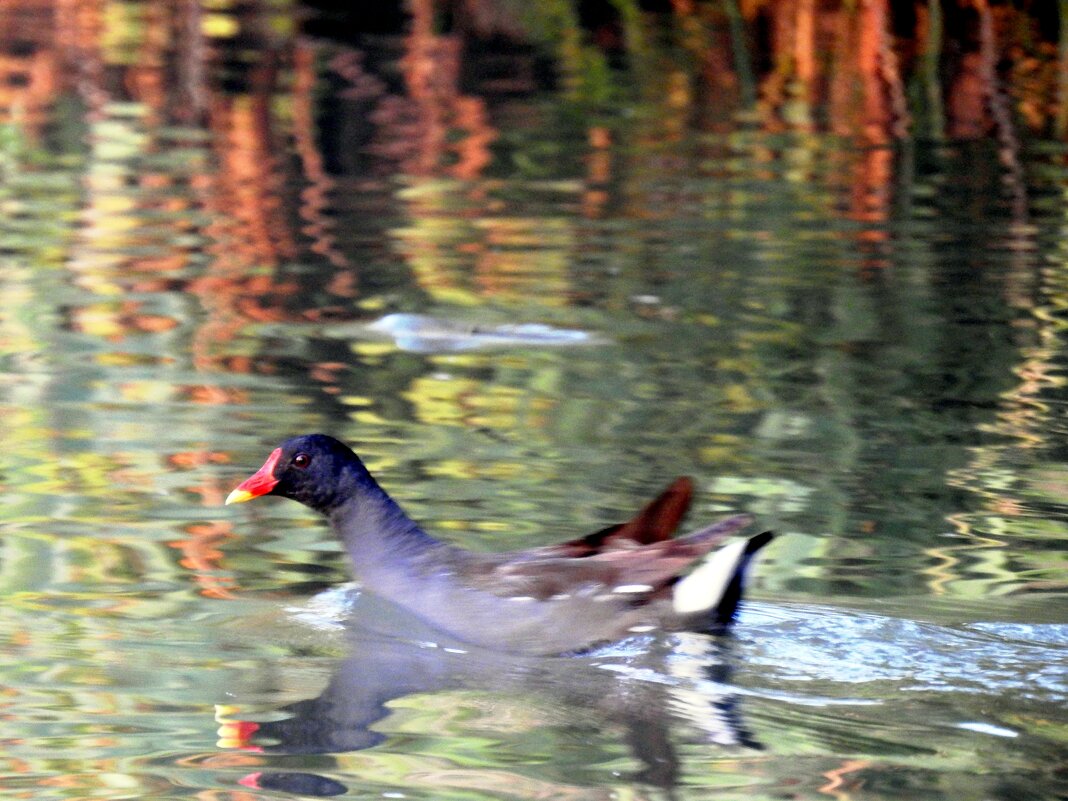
(862, 346)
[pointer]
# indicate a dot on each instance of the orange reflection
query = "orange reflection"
(871, 196)
(200, 556)
(29, 69)
(316, 195)
(840, 784)
(598, 171)
(80, 29)
(437, 129)
(866, 98)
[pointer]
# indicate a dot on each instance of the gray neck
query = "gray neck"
(381, 540)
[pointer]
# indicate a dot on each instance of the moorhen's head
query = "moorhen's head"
(314, 469)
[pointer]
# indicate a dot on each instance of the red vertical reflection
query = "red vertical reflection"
(29, 69)
(450, 132)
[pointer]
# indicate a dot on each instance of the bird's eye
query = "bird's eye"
(301, 460)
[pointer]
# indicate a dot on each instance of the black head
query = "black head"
(317, 470)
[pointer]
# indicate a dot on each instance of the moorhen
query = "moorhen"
(556, 599)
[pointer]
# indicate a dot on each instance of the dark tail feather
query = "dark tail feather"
(655, 523)
(661, 516)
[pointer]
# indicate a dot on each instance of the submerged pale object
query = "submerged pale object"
(421, 333)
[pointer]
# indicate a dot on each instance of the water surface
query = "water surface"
(862, 345)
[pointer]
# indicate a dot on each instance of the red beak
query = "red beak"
(259, 483)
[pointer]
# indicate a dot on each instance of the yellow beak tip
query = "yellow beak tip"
(238, 496)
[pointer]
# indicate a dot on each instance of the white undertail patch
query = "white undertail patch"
(703, 589)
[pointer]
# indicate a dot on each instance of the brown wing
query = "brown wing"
(654, 523)
(636, 571)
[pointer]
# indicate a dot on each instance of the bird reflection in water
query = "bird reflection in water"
(658, 689)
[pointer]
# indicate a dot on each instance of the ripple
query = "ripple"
(812, 644)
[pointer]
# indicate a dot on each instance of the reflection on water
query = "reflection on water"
(814, 682)
(624, 689)
(856, 335)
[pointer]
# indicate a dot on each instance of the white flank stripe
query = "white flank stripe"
(632, 588)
